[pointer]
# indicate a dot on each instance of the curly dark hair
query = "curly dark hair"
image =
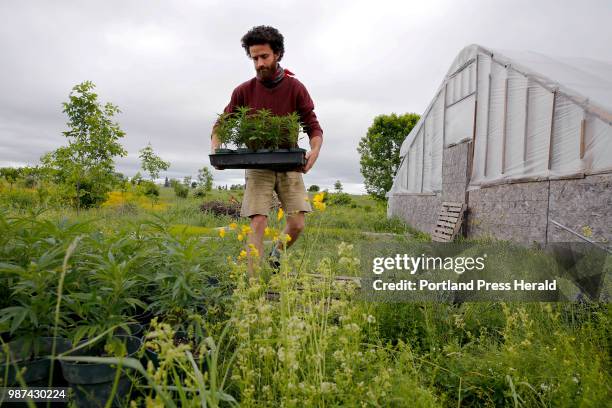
(264, 35)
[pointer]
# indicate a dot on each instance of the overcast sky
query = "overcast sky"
(171, 66)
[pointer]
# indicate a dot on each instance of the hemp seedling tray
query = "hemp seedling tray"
(279, 160)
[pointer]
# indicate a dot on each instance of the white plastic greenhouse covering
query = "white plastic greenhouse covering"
(530, 116)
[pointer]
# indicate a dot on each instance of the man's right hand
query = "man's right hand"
(214, 145)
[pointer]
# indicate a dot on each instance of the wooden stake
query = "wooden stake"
(503, 163)
(486, 163)
(582, 134)
(526, 124)
(552, 130)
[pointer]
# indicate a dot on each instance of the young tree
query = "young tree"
(338, 186)
(86, 166)
(137, 179)
(379, 150)
(166, 182)
(10, 174)
(205, 178)
(313, 188)
(187, 181)
(151, 163)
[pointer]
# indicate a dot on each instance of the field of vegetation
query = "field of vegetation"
(172, 273)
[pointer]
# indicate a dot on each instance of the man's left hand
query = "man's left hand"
(311, 158)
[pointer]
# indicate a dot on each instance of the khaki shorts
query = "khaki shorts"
(260, 183)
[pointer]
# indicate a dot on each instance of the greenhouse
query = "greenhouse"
(516, 136)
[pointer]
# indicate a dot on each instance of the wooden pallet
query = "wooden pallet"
(449, 222)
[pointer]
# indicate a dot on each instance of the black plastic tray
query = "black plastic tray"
(286, 160)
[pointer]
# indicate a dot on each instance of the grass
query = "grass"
(319, 345)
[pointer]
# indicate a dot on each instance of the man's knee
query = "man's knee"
(296, 223)
(259, 223)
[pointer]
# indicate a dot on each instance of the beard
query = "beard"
(266, 73)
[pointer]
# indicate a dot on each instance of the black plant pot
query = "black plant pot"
(133, 329)
(288, 160)
(33, 355)
(93, 382)
(144, 318)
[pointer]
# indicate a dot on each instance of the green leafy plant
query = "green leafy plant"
(258, 130)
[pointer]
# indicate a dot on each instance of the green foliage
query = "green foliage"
(108, 277)
(137, 179)
(19, 198)
(200, 192)
(259, 130)
(149, 188)
(85, 168)
(320, 345)
(339, 199)
(205, 178)
(151, 163)
(379, 150)
(180, 190)
(313, 188)
(10, 174)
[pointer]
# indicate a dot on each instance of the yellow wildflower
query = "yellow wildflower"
(267, 231)
(280, 214)
(246, 229)
(253, 251)
(240, 237)
(319, 205)
(318, 198)
(222, 232)
(286, 238)
(243, 254)
(233, 226)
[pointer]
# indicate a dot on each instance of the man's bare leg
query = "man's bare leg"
(258, 226)
(295, 226)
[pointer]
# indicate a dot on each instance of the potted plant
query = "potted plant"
(27, 323)
(95, 383)
(262, 140)
(27, 359)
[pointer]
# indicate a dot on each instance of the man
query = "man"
(276, 89)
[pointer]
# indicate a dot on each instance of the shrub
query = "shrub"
(181, 190)
(339, 199)
(200, 192)
(91, 194)
(149, 188)
(314, 188)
